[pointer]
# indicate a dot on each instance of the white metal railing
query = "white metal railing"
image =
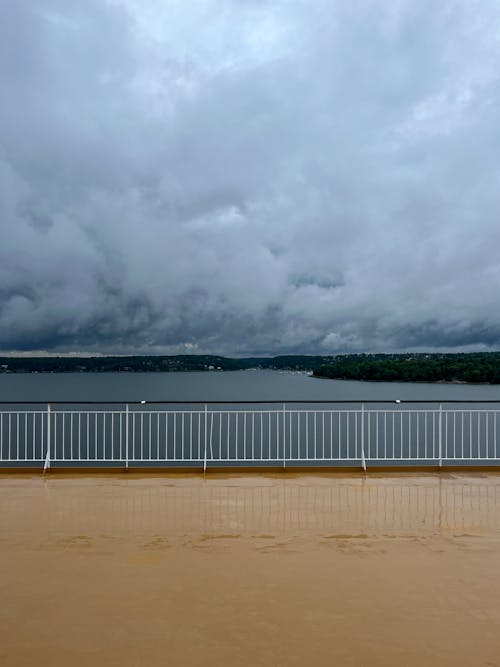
(277, 433)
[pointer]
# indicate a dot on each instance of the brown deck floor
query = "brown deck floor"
(285, 569)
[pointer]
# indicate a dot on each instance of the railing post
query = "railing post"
(205, 447)
(284, 434)
(47, 457)
(440, 440)
(363, 460)
(126, 435)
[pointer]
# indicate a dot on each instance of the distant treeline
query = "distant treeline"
(148, 364)
(470, 367)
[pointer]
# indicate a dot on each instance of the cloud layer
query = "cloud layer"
(249, 177)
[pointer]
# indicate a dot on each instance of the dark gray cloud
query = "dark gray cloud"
(249, 177)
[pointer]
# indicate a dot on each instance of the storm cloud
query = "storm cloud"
(249, 176)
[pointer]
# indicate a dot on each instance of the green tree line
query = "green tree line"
(472, 368)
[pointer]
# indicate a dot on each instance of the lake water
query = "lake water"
(271, 434)
(222, 386)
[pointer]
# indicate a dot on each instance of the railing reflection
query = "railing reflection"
(302, 507)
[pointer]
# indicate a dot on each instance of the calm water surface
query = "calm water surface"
(222, 386)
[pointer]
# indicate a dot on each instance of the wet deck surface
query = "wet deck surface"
(250, 570)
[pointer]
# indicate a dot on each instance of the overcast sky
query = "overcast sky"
(249, 176)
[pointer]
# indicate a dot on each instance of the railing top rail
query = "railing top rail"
(280, 401)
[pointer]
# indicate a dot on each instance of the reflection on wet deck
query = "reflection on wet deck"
(301, 506)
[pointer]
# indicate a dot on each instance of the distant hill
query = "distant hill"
(480, 367)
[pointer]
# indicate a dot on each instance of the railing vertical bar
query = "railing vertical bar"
(434, 434)
(121, 444)
(236, 434)
(418, 448)
(220, 435)
(261, 435)
(47, 457)
(74, 436)
(315, 452)
(355, 415)
(163, 431)
(495, 431)
(199, 432)
(401, 434)
(363, 460)
(307, 434)
(33, 434)
(141, 420)
(478, 430)
(134, 438)
(425, 434)
(393, 435)
(253, 436)
(299, 440)
(339, 444)
(323, 431)
(126, 435)
(340, 433)
(63, 437)
(277, 439)
(284, 437)
(174, 416)
(331, 434)
(54, 438)
(440, 435)
(447, 433)
(470, 433)
(150, 418)
(157, 435)
(11, 447)
(487, 418)
(454, 434)
(104, 436)
(409, 434)
(268, 436)
(463, 436)
(211, 432)
(183, 417)
(348, 442)
(71, 434)
(244, 435)
(167, 435)
(368, 418)
(385, 434)
(205, 442)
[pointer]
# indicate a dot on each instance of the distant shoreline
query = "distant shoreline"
(434, 382)
(435, 368)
